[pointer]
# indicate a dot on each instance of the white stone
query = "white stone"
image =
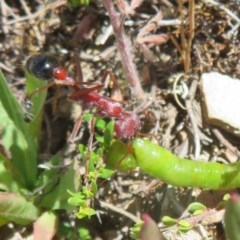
(221, 96)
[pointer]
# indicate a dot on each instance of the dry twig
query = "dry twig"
(193, 119)
(185, 46)
(124, 47)
(120, 211)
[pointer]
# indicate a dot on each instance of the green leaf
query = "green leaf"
(77, 199)
(88, 193)
(232, 219)
(108, 134)
(77, 3)
(101, 124)
(198, 212)
(83, 151)
(87, 117)
(56, 194)
(7, 182)
(99, 138)
(184, 223)
(169, 221)
(85, 212)
(80, 198)
(84, 234)
(185, 229)
(17, 138)
(226, 197)
(105, 173)
(94, 186)
(14, 208)
(196, 206)
(184, 226)
(38, 100)
(77, 202)
(135, 230)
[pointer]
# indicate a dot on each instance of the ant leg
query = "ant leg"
(69, 82)
(29, 96)
(79, 74)
(115, 90)
(76, 127)
(105, 76)
(77, 94)
(90, 142)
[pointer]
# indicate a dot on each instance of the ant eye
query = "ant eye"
(41, 66)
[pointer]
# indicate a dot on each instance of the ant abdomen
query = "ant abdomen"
(42, 66)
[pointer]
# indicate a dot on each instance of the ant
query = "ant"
(47, 68)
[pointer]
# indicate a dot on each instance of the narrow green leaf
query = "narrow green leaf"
(232, 219)
(94, 186)
(57, 197)
(16, 137)
(38, 100)
(7, 182)
(108, 134)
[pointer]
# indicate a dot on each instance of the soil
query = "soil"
(172, 45)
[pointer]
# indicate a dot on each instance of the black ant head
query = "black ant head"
(41, 66)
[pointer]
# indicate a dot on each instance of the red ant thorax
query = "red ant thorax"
(59, 73)
(106, 107)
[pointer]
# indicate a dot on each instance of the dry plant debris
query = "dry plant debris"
(166, 38)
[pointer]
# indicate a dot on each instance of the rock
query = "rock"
(221, 96)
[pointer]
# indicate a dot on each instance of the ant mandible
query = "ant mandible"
(46, 67)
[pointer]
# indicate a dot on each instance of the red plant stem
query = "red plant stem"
(124, 47)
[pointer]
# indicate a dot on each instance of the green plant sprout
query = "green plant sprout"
(77, 3)
(95, 169)
(184, 225)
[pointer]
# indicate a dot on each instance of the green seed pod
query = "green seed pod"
(119, 157)
(161, 163)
